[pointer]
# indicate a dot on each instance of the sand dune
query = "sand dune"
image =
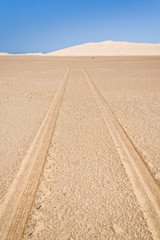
(31, 54)
(109, 48)
(106, 48)
(7, 54)
(3, 54)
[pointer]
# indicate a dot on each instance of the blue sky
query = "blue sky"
(49, 25)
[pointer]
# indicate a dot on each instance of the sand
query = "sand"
(27, 88)
(4, 54)
(97, 123)
(109, 48)
(106, 48)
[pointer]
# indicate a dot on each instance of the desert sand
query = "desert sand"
(4, 54)
(106, 48)
(109, 48)
(80, 147)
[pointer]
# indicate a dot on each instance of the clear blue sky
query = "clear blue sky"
(49, 25)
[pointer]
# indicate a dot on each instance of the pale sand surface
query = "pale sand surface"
(27, 87)
(106, 48)
(132, 89)
(84, 191)
(4, 54)
(109, 48)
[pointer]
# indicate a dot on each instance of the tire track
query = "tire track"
(18, 202)
(144, 185)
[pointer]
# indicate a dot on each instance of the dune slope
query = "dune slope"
(109, 48)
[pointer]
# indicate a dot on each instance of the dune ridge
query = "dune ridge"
(4, 53)
(106, 48)
(7, 54)
(109, 48)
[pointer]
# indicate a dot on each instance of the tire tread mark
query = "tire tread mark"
(144, 185)
(20, 197)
